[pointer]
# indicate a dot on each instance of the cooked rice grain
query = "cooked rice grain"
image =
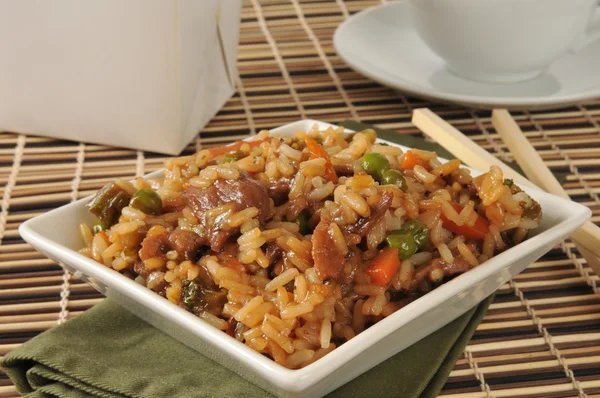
(259, 251)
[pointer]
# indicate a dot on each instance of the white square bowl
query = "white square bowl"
(56, 235)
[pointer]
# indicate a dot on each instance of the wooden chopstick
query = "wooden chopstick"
(460, 145)
(525, 154)
(592, 259)
(588, 236)
(586, 239)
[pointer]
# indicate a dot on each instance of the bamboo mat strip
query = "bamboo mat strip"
(7, 391)
(541, 336)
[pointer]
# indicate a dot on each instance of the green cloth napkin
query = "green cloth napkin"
(108, 352)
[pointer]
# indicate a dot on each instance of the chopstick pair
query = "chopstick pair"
(586, 238)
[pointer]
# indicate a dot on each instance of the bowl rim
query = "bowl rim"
(296, 380)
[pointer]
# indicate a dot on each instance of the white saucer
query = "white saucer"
(381, 43)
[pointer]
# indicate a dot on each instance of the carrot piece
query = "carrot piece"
(411, 160)
(384, 267)
(222, 150)
(478, 231)
(317, 151)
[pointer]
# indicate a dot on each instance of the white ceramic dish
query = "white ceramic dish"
(55, 234)
(381, 43)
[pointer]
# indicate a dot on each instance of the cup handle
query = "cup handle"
(591, 33)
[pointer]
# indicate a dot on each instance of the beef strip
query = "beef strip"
(186, 243)
(173, 205)
(473, 190)
(459, 266)
(273, 252)
(344, 170)
(278, 267)
(242, 193)
(245, 192)
(280, 190)
(364, 225)
(314, 210)
(329, 261)
(155, 246)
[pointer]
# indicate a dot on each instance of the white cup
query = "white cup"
(504, 41)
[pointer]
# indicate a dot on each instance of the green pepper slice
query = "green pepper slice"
(147, 200)
(108, 203)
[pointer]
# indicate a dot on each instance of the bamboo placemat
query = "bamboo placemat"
(541, 336)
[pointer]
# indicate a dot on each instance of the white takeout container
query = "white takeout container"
(143, 74)
(56, 235)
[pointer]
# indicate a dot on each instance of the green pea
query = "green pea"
(394, 177)
(146, 200)
(404, 242)
(375, 164)
(419, 231)
(97, 227)
(302, 222)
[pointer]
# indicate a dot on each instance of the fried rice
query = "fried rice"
(295, 244)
